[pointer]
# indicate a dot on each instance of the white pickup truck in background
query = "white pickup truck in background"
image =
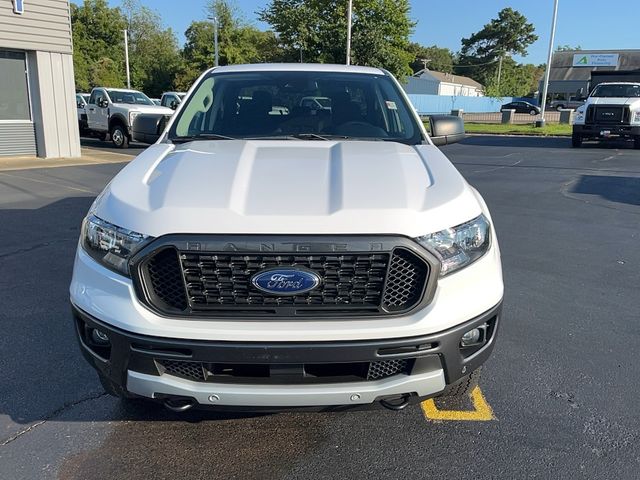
(112, 111)
(611, 111)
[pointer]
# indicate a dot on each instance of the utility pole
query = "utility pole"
(349, 14)
(499, 70)
(216, 56)
(126, 57)
(545, 85)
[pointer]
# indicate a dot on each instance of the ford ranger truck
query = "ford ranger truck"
(611, 111)
(314, 258)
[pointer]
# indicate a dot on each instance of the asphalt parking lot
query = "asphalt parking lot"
(562, 383)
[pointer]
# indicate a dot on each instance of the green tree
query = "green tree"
(433, 57)
(316, 31)
(517, 80)
(484, 51)
(97, 35)
(567, 48)
(154, 56)
(106, 72)
(238, 42)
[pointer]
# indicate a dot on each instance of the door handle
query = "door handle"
(92, 109)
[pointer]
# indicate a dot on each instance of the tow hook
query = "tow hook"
(179, 404)
(396, 406)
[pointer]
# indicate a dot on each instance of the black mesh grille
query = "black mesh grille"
(184, 369)
(165, 276)
(215, 372)
(407, 276)
(211, 283)
(387, 368)
(215, 281)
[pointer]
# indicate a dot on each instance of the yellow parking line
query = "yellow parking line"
(481, 412)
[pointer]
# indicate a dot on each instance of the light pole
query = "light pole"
(126, 57)
(349, 14)
(215, 40)
(545, 85)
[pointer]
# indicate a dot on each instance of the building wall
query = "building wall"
(53, 101)
(43, 32)
(458, 89)
(421, 86)
(44, 25)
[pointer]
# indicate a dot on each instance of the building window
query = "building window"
(14, 93)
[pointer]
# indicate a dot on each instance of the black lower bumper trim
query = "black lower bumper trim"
(595, 130)
(129, 351)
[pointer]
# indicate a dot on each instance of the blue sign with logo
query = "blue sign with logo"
(285, 281)
(18, 6)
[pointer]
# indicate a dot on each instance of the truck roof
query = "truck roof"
(298, 67)
(618, 83)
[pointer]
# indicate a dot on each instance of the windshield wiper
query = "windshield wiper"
(200, 136)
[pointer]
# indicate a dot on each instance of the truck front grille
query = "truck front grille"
(265, 373)
(607, 114)
(218, 284)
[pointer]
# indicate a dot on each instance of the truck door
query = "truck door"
(98, 110)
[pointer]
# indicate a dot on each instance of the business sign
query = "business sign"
(18, 6)
(595, 60)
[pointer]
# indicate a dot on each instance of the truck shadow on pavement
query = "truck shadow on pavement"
(615, 189)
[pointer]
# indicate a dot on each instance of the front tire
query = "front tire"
(533, 112)
(119, 136)
(559, 107)
(576, 140)
(463, 387)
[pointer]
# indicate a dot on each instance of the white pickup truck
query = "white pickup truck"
(112, 111)
(611, 111)
(293, 260)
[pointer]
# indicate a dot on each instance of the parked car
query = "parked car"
(522, 107)
(574, 103)
(113, 110)
(81, 108)
(611, 111)
(171, 99)
(293, 260)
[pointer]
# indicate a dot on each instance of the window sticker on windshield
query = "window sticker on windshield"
(391, 105)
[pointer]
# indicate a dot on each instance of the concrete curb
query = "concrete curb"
(90, 156)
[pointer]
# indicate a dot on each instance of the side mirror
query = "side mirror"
(173, 105)
(102, 103)
(79, 105)
(148, 127)
(446, 129)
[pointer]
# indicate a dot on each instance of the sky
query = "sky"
(444, 23)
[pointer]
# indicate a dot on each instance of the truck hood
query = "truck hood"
(288, 186)
(631, 101)
(146, 108)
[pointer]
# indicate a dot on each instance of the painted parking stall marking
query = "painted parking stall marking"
(481, 411)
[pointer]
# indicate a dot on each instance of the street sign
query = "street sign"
(595, 60)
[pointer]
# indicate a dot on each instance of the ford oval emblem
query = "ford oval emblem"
(285, 281)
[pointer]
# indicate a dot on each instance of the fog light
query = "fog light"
(476, 336)
(99, 338)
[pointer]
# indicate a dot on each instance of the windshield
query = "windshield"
(619, 90)
(130, 97)
(277, 104)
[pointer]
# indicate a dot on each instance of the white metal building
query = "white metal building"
(37, 89)
(430, 82)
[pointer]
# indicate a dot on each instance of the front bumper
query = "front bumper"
(596, 130)
(132, 363)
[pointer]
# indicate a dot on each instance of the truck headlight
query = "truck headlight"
(109, 244)
(132, 117)
(579, 116)
(459, 246)
(636, 117)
